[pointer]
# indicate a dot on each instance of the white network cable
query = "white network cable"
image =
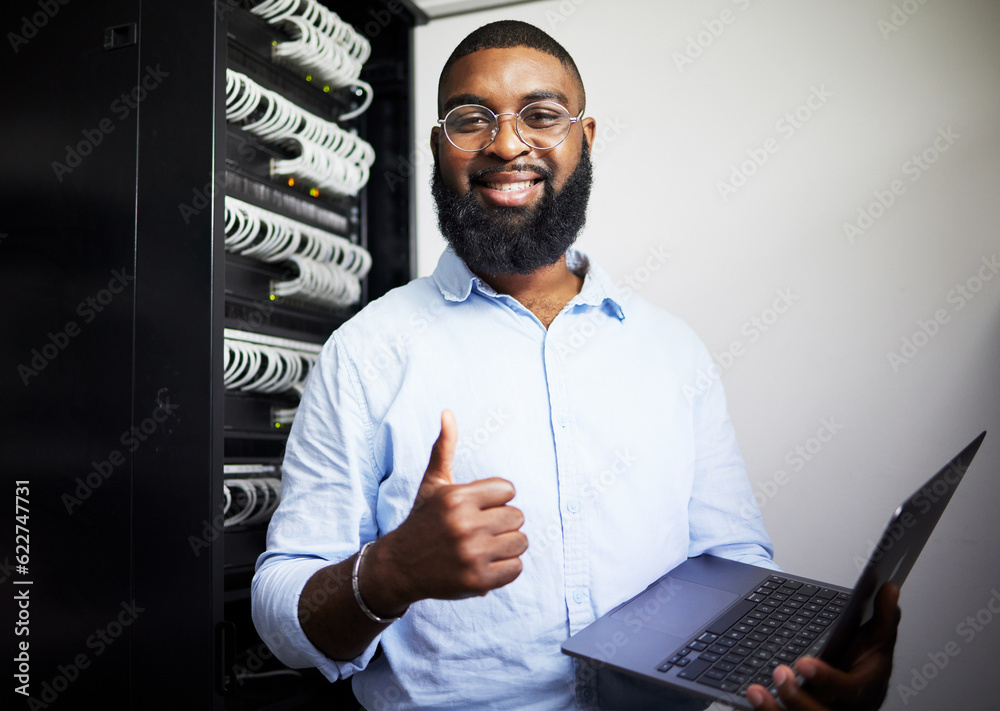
(329, 157)
(257, 363)
(320, 281)
(323, 44)
(330, 267)
(250, 500)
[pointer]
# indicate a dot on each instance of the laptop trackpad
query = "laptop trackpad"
(676, 607)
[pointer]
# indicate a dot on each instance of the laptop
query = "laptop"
(712, 627)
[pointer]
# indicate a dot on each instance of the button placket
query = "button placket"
(576, 561)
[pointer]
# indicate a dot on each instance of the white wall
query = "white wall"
(671, 134)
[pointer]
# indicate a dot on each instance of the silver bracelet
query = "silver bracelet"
(357, 592)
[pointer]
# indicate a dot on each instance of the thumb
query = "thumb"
(442, 454)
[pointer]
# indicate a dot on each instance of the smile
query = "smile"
(512, 188)
(507, 187)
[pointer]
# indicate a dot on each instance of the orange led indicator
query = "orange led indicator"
(291, 181)
(314, 192)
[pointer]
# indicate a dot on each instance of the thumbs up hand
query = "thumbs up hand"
(459, 540)
(439, 469)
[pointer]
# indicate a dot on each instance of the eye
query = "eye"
(541, 116)
(470, 120)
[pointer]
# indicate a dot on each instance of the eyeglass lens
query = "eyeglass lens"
(541, 125)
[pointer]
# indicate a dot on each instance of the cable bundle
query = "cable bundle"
(250, 500)
(323, 44)
(262, 364)
(330, 267)
(329, 157)
(317, 281)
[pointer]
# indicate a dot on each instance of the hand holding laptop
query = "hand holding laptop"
(729, 624)
(862, 685)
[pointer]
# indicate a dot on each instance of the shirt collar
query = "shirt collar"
(452, 277)
(598, 289)
(455, 281)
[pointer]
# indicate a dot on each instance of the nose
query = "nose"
(507, 145)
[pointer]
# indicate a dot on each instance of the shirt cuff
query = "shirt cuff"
(276, 589)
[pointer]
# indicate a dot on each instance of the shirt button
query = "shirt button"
(563, 421)
(573, 507)
(587, 695)
(578, 596)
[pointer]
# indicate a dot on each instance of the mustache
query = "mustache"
(479, 175)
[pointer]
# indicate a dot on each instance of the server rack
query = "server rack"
(115, 293)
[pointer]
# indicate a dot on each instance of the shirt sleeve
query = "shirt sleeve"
(329, 488)
(724, 517)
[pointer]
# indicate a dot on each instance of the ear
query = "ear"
(589, 130)
(435, 137)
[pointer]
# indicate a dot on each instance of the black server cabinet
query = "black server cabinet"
(121, 587)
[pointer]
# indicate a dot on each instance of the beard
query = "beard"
(519, 239)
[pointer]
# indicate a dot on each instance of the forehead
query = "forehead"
(504, 79)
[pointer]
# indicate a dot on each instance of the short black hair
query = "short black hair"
(505, 34)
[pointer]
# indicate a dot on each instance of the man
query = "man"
(580, 472)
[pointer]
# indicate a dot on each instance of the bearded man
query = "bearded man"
(567, 467)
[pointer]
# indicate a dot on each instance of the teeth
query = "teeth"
(507, 187)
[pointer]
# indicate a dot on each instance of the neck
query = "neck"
(544, 292)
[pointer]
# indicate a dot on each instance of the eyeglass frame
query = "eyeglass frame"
(516, 115)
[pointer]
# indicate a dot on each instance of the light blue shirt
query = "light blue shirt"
(611, 428)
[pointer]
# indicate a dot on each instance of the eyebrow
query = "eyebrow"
(537, 95)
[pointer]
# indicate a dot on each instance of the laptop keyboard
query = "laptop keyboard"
(779, 622)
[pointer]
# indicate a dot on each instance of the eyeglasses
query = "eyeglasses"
(541, 125)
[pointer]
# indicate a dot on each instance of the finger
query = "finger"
(822, 675)
(885, 621)
(501, 519)
(502, 572)
(791, 694)
(865, 686)
(439, 468)
(488, 493)
(509, 545)
(758, 696)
